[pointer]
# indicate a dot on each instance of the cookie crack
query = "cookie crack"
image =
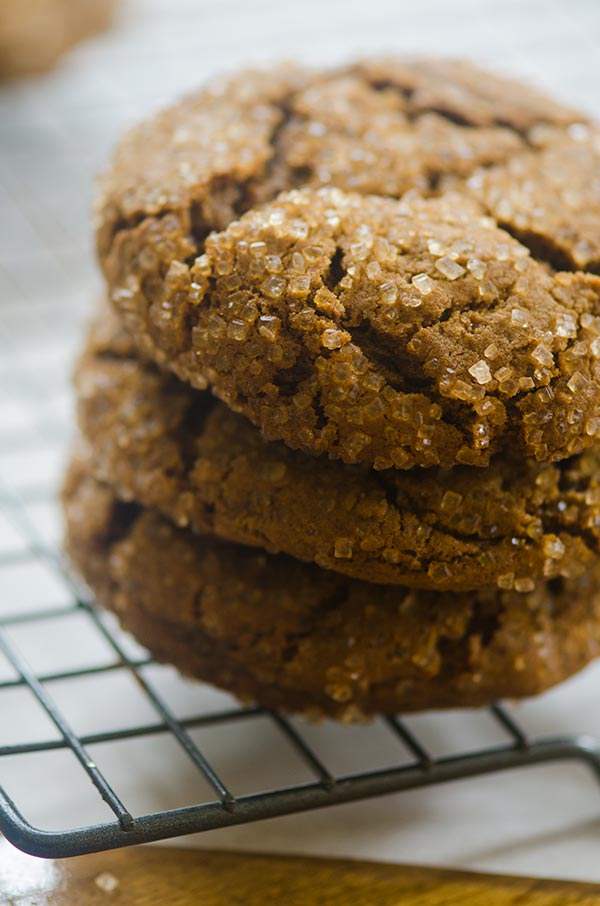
(543, 249)
(193, 210)
(545, 513)
(284, 105)
(191, 426)
(484, 623)
(120, 523)
(333, 601)
(335, 273)
(391, 357)
(451, 116)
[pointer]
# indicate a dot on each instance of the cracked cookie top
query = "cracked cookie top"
(381, 127)
(165, 445)
(393, 333)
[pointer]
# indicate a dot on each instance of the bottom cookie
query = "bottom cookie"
(290, 635)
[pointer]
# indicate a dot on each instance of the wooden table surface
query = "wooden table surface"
(153, 876)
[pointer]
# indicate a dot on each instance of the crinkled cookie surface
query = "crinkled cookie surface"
(396, 333)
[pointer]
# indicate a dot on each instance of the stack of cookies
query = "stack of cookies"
(340, 418)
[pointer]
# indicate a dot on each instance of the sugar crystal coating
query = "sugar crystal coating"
(550, 198)
(368, 358)
(263, 626)
(411, 292)
(424, 283)
(449, 268)
(481, 371)
(168, 446)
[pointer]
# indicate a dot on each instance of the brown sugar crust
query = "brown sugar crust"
(393, 333)
(35, 33)
(244, 138)
(549, 198)
(225, 151)
(165, 445)
(465, 94)
(290, 635)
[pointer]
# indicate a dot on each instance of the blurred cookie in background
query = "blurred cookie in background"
(35, 33)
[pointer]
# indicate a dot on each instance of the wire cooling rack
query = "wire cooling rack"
(79, 702)
(35, 424)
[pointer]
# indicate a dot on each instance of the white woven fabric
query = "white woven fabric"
(55, 132)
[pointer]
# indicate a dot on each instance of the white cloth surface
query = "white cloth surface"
(55, 132)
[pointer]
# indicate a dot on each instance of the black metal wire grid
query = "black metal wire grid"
(53, 136)
(415, 767)
(224, 808)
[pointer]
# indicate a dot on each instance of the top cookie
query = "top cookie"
(397, 334)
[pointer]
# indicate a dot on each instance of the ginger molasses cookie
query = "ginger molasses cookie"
(291, 635)
(357, 279)
(35, 33)
(163, 444)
